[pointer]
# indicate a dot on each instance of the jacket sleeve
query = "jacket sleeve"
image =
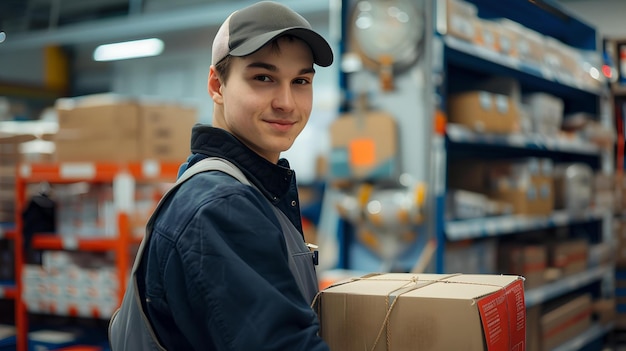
(231, 281)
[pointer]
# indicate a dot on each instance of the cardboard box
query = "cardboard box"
(569, 256)
(562, 322)
(525, 184)
(462, 20)
(435, 312)
(533, 199)
(533, 328)
(104, 128)
(527, 260)
(166, 131)
(484, 112)
(364, 146)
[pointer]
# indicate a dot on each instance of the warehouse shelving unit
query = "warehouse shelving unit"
(123, 177)
(419, 103)
(463, 59)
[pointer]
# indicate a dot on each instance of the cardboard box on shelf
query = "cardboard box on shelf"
(527, 260)
(487, 106)
(570, 256)
(106, 128)
(364, 146)
(546, 112)
(166, 131)
(605, 310)
(484, 112)
(533, 328)
(529, 44)
(402, 311)
(619, 236)
(573, 187)
(526, 184)
(565, 320)
(462, 20)
(535, 198)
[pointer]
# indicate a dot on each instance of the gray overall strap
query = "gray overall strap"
(300, 256)
(129, 328)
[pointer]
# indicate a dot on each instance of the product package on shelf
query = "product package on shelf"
(526, 184)
(401, 311)
(80, 284)
(87, 210)
(490, 106)
(565, 318)
(9, 159)
(527, 260)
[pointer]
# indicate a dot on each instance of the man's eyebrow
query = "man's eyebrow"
(263, 65)
(273, 68)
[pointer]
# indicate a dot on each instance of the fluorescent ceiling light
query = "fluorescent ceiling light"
(128, 49)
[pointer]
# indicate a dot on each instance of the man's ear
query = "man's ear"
(214, 86)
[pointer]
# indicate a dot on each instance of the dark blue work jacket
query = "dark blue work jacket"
(216, 268)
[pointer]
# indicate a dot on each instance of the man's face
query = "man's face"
(267, 99)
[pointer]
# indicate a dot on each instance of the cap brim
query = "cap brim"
(322, 53)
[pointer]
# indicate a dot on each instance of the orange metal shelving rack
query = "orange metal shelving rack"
(59, 173)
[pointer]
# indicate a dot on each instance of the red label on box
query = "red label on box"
(503, 316)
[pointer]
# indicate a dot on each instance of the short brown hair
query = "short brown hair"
(223, 66)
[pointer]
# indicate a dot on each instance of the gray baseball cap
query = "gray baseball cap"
(250, 28)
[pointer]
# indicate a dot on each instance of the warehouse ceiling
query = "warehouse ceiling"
(31, 15)
(30, 24)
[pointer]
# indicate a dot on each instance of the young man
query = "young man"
(219, 272)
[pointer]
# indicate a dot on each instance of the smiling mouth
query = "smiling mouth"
(282, 126)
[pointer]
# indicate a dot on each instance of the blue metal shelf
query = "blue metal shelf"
(544, 16)
(461, 134)
(581, 340)
(503, 225)
(466, 54)
(566, 284)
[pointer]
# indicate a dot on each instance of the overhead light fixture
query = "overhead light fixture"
(128, 49)
(3, 37)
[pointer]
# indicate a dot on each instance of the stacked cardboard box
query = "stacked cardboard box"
(10, 157)
(76, 283)
(527, 260)
(525, 184)
(553, 323)
(521, 45)
(569, 256)
(565, 319)
(111, 128)
(487, 107)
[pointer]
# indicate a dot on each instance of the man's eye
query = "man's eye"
(263, 78)
(301, 81)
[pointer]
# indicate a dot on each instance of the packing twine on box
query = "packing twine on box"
(410, 285)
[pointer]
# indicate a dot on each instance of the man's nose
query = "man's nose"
(284, 99)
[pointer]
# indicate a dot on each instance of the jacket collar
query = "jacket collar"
(273, 180)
